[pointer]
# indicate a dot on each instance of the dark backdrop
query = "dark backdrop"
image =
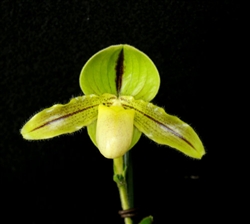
(44, 45)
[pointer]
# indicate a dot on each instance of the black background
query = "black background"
(44, 45)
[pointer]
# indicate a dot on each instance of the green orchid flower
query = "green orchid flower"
(118, 83)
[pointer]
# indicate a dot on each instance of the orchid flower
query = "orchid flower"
(119, 82)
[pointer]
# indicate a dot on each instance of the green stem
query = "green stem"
(129, 178)
(120, 179)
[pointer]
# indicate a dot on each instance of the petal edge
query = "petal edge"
(165, 129)
(61, 119)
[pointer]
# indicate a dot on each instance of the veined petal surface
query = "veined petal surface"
(163, 128)
(120, 70)
(61, 119)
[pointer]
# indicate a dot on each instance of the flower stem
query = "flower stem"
(120, 179)
(129, 178)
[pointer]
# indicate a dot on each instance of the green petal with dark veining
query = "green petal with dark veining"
(163, 128)
(120, 70)
(61, 119)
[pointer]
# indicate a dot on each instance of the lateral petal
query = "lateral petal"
(163, 128)
(61, 119)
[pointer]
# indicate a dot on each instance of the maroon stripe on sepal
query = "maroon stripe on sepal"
(119, 68)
